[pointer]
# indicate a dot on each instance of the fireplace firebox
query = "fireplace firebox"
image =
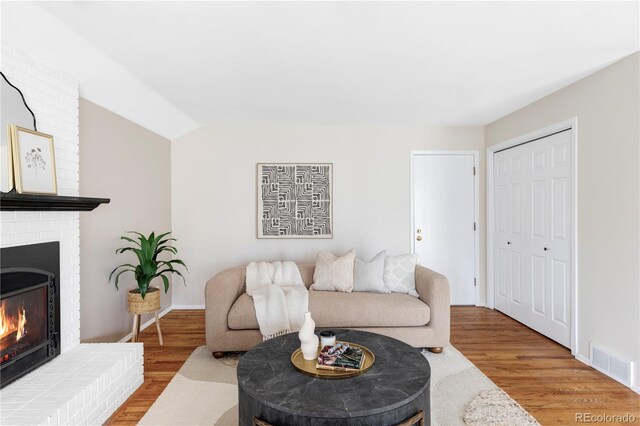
(29, 308)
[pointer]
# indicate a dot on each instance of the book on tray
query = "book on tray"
(341, 356)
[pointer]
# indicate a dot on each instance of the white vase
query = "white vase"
(308, 340)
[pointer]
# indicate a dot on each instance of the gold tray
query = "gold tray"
(309, 367)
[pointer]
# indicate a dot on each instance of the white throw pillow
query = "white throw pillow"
(370, 276)
(334, 273)
(400, 273)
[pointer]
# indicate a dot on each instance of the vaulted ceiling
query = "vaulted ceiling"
(175, 66)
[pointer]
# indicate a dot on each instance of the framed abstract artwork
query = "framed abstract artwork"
(295, 200)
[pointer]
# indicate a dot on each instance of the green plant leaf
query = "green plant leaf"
(166, 283)
(136, 233)
(172, 261)
(167, 248)
(147, 251)
(130, 240)
(165, 241)
(175, 271)
(137, 252)
(121, 266)
(118, 276)
(161, 236)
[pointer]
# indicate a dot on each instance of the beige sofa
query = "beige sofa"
(231, 322)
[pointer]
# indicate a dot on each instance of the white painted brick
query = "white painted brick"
(8, 228)
(7, 216)
(78, 377)
(53, 97)
(27, 216)
(68, 174)
(51, 236)
(64, 163)
(27, 238)
(4, 414)
(7, 240)
(62, 415)
(38, 225)
(10, 406)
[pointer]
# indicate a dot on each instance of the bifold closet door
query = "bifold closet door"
(510, 226)
(532, 238)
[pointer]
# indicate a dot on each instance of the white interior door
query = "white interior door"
(510, 225)
(444, 219)
(532, 234)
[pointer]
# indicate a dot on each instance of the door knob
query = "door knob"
(545, 249)
(419, 238)
(508, 242)
(419, 231)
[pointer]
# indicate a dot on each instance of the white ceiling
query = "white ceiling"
(173, 66)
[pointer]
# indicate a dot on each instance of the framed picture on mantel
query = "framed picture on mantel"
(295, 200)
(34, 162)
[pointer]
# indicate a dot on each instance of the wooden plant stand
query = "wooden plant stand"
(137, 306)
(135, 334)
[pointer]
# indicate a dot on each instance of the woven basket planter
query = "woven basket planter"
(137, 305)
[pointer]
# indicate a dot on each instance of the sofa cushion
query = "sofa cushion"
(400, 273)
(369, 276)
(334, 273)
(334, 309)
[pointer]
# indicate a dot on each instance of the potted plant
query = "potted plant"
(146, 299)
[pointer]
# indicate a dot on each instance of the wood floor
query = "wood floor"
(535, 371)
(183, 331)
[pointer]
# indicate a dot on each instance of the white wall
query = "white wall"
(213, 177)
(53, 97)
(607, 105)
(139, 188)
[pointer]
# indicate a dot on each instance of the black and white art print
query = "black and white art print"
(295, 200)
(34, 161)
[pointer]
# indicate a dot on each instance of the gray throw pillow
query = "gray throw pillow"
(400, 274)
(370, 276)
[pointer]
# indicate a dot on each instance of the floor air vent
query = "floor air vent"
(616, 367)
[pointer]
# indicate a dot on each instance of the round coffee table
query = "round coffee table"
(271, 391)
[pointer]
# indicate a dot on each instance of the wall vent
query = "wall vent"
(613, 365)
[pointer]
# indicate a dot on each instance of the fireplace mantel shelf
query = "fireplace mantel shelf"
(18, 202)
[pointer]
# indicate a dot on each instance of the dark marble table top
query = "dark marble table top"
(399, 375)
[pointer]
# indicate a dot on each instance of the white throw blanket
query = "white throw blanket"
(279, 296)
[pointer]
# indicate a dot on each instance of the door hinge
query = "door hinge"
(474, 226)
(474, 282)
(474, 170)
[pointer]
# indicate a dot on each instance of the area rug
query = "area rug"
(204, 392)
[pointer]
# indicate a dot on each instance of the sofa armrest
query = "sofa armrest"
(433, 289)
(220, 294)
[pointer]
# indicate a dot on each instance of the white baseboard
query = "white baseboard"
(583, 359)
(180, 307)
(146, 324)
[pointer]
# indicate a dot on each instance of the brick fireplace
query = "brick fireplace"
(53, 97)
(85, 383)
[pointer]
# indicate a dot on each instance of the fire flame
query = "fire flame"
(9, 324)
(6, 325)
(22, 321)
